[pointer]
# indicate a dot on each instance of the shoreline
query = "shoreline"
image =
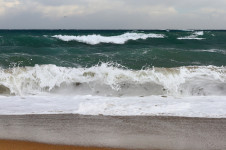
(197, 106)
(128, 132)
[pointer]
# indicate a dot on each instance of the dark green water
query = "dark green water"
(30, 47)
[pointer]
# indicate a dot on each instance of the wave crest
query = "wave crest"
(97, 39)
(109, 80)
(193, 36)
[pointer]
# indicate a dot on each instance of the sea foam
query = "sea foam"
(97, 39)
(112, 80)
(195, 106)
(193, 36)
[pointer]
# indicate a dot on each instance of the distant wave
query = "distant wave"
(193, 36)
(114, 80)
(213, 51)
(187, 30)
(97, 39)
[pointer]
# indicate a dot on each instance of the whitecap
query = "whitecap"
(193, 36)
(97, 39)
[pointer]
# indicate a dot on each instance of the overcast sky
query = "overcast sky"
(113, 14)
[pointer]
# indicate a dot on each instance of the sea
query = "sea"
(113, 72)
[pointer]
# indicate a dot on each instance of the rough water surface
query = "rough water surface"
(184, 70)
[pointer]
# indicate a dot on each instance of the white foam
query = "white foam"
(202, 106)
(112, 80)
(199, 33)
(194, 36)
(213, 51)
(96, 39)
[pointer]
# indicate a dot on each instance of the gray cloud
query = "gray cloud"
(113, 14)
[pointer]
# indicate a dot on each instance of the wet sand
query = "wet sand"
(130, 132)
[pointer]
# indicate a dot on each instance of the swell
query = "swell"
(143, 47)
(94, 39)
(48, 37)
(97, 39)
(113, 80)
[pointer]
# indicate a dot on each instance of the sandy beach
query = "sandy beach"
(24, 145)
(135, 132)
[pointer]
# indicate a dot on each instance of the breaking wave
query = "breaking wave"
(193, 36)
(97, 39)
(113, 80)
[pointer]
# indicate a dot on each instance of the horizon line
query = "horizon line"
(103, 29)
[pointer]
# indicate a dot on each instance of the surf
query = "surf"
(107, 79)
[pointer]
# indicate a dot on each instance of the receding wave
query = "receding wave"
(194, 36)
(114, 80)
(97, 39)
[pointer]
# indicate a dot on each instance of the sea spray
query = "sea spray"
(109, 80)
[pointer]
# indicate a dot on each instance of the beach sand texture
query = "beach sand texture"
(134, 132)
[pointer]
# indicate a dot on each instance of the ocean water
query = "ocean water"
(113, 72)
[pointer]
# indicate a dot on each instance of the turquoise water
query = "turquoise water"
(30, 47)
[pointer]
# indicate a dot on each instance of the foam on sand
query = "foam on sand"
(198, 106)
(97, 39)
